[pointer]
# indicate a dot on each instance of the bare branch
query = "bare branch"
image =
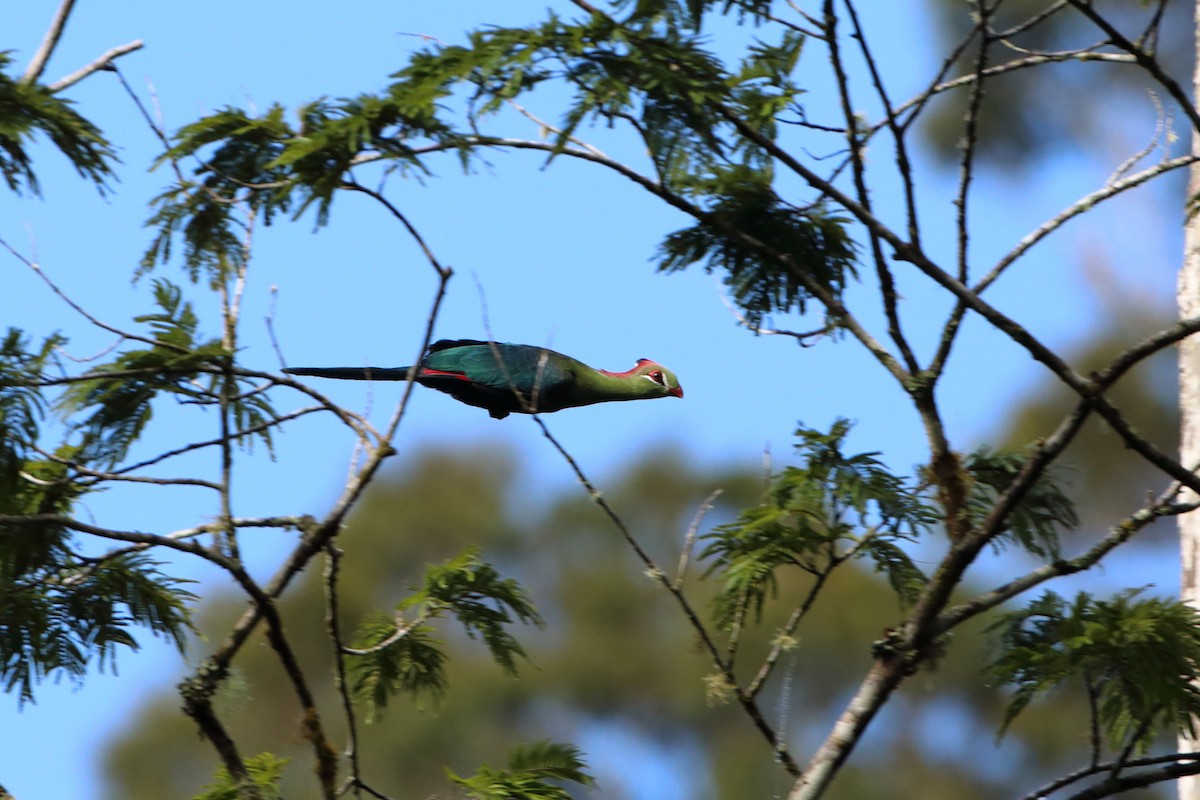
(689, 539)
(104, 62)
(38, 64)
(652, 569)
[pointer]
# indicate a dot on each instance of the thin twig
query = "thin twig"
(83, 312)
(340, 681)
(652, 569)
(1043, 792)
(689, 539)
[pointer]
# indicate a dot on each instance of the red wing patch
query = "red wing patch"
(441, 373)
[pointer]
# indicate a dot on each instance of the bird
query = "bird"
(514, 378)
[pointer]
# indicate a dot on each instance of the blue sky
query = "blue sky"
(559, 255)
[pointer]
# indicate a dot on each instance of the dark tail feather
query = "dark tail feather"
(353, 373)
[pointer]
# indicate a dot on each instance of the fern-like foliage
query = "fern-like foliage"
(266, 771)
(111, 405)
(747, 228)
(1138, 657)
(28, 110)
(59, 610)
(22, 403)
(484, 603)
(1038, 519)
(534, 772)
(815, 516)
(269, 165)
(395, 656)
(397, 653)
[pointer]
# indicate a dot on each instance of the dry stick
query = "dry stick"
(100, 476)
(104, 62)
(1163, 506)
(38, 64)
(903, 165)
(1081, 206)
(953, 323)
(945, 465)
(279, 420)
(783, 639)
(652, 569)
(231, 313)
(689, 539)
(319, 535)
(966, 171)
(290, 523)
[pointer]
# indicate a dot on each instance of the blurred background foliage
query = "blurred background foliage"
(613, 670)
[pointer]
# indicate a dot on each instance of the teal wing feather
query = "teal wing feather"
(503, 366)
(500, 377)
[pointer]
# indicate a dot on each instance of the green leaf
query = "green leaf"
(535, 772)
(483, 602)
(395, 660)
(22, 408)
(60, 611)
(115, 400)
(903, 575)
(1037, 520)
(1139, 656)
(747, 226)
(266, 771)
(28, 110)
(815, 516)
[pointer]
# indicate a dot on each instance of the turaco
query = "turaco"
(521, 378)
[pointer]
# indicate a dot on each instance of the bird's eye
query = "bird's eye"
(657, 377)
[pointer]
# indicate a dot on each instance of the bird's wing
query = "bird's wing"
(505, 366)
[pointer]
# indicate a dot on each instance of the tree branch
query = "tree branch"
(104, 62)
(658, 575)
(38, 64)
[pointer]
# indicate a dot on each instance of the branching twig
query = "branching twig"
(1174, 759)
(652, 569)
(104, 62)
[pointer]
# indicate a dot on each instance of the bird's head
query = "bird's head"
(662, 381)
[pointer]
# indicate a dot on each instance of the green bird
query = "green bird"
(520, 378)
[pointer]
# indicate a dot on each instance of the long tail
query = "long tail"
(353, 373)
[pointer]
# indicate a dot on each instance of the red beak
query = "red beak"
(676, 392)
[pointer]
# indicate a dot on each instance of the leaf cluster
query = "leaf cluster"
(651, 71)
(1137, 658)
(59, 609)
(265, 770)
(28, 109)
(1036, 521)
(534, 772)
(114, 402)
(397, 653)
(743, 235)
(815, 516)
(266, 165)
